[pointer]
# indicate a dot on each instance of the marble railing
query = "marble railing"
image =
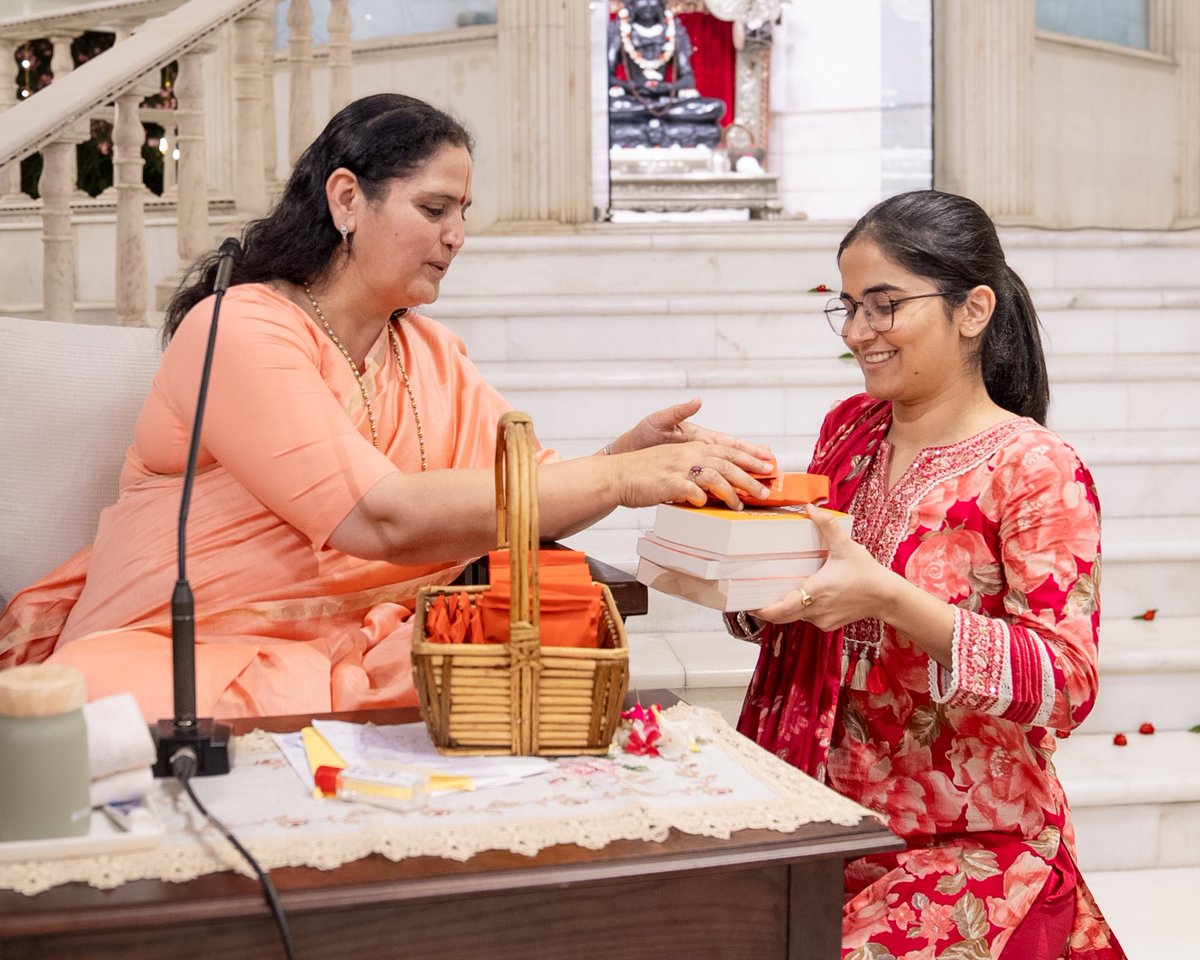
(149, 35)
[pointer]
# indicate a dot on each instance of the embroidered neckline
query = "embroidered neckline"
(882, 530)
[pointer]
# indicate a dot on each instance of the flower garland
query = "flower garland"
(653, 69)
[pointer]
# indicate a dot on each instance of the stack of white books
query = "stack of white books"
(730, 559)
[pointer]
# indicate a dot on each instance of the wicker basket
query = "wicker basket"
(518, 697)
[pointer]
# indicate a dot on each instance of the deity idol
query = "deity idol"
(656, 103)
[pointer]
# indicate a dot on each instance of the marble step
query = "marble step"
(744, 324)
(1149, 562)
(1136, 806)
(1152, 911)
(785, 256)
(780, 397)
(1149, 673)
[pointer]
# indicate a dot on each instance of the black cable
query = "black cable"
(183, 765)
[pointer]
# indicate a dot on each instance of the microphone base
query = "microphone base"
(211, 741)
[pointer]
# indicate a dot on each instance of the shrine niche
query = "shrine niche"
(688, 105)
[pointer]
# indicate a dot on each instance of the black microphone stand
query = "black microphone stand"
(186, 738)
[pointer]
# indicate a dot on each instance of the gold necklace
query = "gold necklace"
(394, 339)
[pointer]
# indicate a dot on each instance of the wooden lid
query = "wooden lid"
(41, 690)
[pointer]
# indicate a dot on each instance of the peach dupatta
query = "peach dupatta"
(284, 624)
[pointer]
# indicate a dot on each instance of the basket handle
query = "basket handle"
(517, 526)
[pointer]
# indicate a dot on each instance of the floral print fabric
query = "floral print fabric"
(1005, 525)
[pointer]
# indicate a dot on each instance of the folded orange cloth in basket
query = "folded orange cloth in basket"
(569, 600)
(452, 618)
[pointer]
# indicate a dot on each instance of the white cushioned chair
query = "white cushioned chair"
(69, 396)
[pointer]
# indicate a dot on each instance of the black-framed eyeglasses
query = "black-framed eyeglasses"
(879, 308)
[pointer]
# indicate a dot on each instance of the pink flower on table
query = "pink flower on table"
(937, 921)
(941, 562)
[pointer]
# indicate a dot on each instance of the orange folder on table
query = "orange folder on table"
(569, 602)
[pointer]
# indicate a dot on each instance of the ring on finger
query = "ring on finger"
(805, 598)
(694, 472)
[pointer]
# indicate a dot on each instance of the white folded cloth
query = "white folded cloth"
(118, 787)
(120, 749)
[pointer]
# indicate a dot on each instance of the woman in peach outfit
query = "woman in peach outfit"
(926, 668)
(346, 455)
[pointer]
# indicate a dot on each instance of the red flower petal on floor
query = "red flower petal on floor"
(820, 288)
(1146, 728)
(1120, 739)
(1148, 615)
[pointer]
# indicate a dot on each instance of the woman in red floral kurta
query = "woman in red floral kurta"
(925, 669)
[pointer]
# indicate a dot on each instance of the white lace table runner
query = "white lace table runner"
(729, 785)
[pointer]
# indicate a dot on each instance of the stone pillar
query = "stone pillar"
(339, 26)
(10, 173)
(300, 60)
(270, 143)
(983, 98)
(1187, 55)
(58, 238)
(128, 135)
(250, 190)
(545, 135)
(61, 64)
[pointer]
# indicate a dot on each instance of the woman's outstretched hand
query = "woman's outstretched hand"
(688, 472)
(672, 425)
(850, 585)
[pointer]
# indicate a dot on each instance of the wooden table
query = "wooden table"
(758, 895)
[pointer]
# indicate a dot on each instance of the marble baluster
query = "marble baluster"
(56, 188)
(340, 84)
(128, 136)
(270, 137)
(300, 60)
(192, 237)
(61, 63)
(545, 128)
(250, 189)
(10, 173)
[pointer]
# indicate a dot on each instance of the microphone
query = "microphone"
(184, 736)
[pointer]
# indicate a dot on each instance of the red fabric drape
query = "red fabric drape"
(714, 60)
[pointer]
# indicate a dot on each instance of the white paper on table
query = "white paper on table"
(362, 744)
